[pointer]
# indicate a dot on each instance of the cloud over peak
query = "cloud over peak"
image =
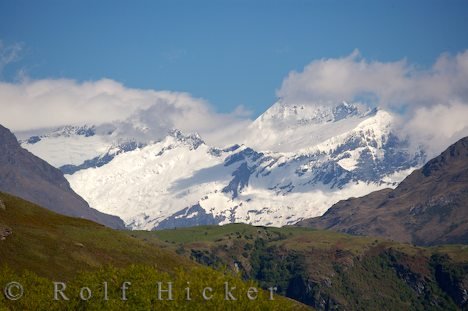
(35, 104)
(432, 103)
(423, 98)
(388, 84)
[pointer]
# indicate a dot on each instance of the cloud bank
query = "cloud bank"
(391, 84)
(30, 105)
(432, 103)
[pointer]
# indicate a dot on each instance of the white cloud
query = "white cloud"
(39, 104)
(432, 102)
(390, 84)
(438, 126)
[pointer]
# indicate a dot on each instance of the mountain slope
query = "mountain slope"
(55, 245)
(44, 247)
(330, 270)
(180, 181)
(25, 175)
(291, 128)
(71, 148)
(428, 207)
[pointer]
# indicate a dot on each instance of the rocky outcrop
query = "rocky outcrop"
(4, 232)
(452, 279)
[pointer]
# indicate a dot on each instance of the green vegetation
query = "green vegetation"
(324, 269)
(44, 247)
(213, 233)
(53, 245)
(329, 270)
(142, 292)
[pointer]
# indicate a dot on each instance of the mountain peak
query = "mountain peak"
(458, 152)
(344, 110)
(192, 139)
(290, 115)
(7, 139)
(290, 128)
(69, 130)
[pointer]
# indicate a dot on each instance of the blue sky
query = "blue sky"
(228, 52)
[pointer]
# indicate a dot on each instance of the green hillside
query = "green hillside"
(324, 269)
(330, 270)
(53, 245)
(38, 246)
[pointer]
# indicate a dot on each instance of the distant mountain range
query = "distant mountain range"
(180, 180)
(292, 163)
(27, 176)
(428, 207)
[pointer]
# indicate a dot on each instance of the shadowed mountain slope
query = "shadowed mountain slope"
(428, 207)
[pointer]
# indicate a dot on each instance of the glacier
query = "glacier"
(291, 163)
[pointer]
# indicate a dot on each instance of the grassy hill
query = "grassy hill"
(324, 269)
(327, 269)
(53, 245)
(38, 246)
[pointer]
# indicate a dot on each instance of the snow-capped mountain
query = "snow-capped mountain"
(293, 163)
(72, 148)
(290, 128)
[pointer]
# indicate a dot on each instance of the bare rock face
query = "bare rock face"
(4, 232)
(2, 205)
